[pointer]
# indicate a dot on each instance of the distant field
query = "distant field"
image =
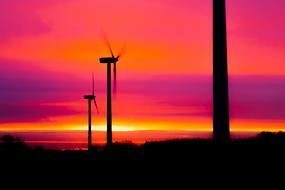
(78, 139)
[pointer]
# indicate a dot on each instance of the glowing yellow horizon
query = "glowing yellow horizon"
(236, 126)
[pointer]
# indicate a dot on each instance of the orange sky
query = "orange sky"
(49, 49)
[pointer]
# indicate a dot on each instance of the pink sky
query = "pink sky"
(49, 48)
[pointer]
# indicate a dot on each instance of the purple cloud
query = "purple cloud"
(23, 81)
(258, 98)
(31, 112)
(251, 97)
(26, 91)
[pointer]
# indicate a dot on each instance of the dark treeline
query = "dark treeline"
(265, 146)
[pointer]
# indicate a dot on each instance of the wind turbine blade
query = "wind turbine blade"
(96, 106)
(115, 79)
(108, 44)
(93, 90)
(122, 52)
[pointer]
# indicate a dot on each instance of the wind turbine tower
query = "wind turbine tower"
(221, 126)
(90, 98)
(109, 61)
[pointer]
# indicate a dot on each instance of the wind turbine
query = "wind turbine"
(115, 63)
(109, 61)
(90, 98)
(221, 126)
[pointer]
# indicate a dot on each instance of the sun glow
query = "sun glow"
(114, 128)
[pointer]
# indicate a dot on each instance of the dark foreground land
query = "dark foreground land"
(192, 161)
(266, 147)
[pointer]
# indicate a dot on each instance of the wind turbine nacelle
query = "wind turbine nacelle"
(108, 60)
(89, 97)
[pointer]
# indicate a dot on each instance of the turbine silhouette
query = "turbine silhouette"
(91, 98)
(109, 61)
(221, 127)
(115, 63)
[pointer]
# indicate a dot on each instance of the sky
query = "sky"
(48, 50)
